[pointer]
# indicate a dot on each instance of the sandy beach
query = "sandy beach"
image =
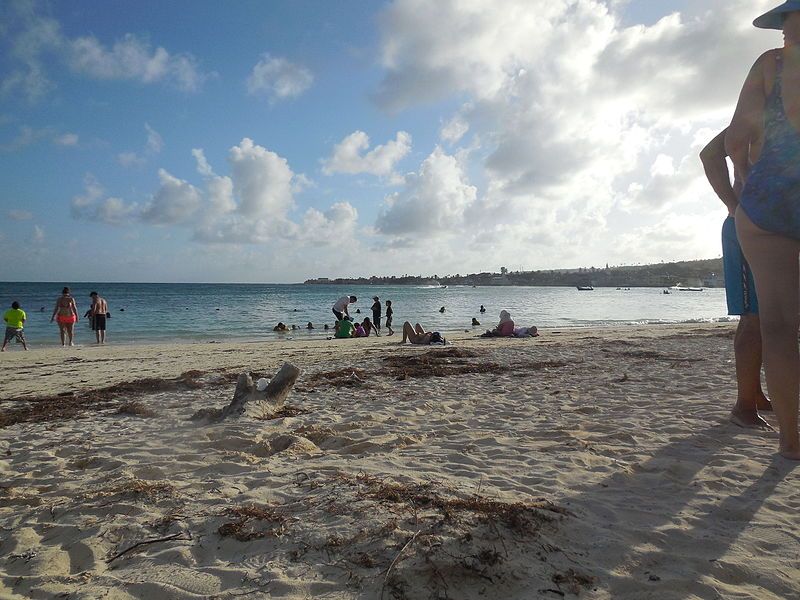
(592, 463)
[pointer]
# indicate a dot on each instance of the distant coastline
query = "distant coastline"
(703, 273)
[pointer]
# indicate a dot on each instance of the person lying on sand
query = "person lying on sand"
(521, 332)
(418, 335)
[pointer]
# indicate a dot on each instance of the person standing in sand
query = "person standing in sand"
(768, 213)
(740, 291)
(389, 315)
(340, 308)
(15, 319)
(65, 314)
(98, 314)
(376, 315)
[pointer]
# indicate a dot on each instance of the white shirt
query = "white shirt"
(341, 304)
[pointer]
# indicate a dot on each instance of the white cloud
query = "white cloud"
(30, 36)
(133, 59)
(154, 140)
(153, 146)
(262, 180)
(433, 200)
(91, 206)
(33, 40)
(570, 109)
(66, 139)
(278, 79)
(452, 131)
(114, 211)
(38, 235)
(175, 202)
(351, 155)
(26, 136)
(130, 159)
(19, 215)
(251, 206)
(202, 164)
(335, 225)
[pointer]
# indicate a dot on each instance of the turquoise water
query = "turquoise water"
(158, 312)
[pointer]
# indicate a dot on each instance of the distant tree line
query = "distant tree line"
(707, 273)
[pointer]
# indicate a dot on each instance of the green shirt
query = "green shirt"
(344, 329)
(15, 317)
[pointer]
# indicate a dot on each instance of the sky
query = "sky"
(251, 141)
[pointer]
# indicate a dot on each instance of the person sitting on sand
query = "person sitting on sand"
(475, 322)
(418, 335)
(344, 328)
(505, 328)
(280, 327)
(359, 331)
(369, 327)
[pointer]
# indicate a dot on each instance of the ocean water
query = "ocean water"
(158, 312)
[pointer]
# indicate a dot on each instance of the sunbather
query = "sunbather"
(418, 335)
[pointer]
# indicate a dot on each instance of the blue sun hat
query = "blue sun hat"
(773, 19)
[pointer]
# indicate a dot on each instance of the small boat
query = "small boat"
(689, 289)
(585, 288)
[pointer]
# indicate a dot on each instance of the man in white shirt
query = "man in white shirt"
(340, 308)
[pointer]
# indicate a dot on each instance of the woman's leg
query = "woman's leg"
(71, 332)
(419, 329)
(408, 332)
(62, 331)
(774, 260)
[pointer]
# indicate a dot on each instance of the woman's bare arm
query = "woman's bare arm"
(748, 119)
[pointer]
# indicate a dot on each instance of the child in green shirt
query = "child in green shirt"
(15, 319)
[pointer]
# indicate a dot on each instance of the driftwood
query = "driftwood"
(274, 395)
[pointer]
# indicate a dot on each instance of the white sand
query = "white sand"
(660, 497)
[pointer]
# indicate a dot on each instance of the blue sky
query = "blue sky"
(275, 141)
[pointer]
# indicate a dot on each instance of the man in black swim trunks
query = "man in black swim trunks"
(99, 310)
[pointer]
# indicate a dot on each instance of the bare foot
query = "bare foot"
(764, 404)
(749, 420)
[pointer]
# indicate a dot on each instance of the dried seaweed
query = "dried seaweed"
(78, 404)
(136, 409)
(252, 522)
(340, 378)
(573, 581)
(136, 490)
(440, 363)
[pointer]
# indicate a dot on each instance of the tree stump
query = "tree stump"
(273, 396)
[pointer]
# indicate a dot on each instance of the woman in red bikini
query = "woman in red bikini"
(66, 315)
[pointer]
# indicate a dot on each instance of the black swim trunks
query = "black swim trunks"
(99, 322)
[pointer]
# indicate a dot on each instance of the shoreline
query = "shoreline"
(91, 366)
